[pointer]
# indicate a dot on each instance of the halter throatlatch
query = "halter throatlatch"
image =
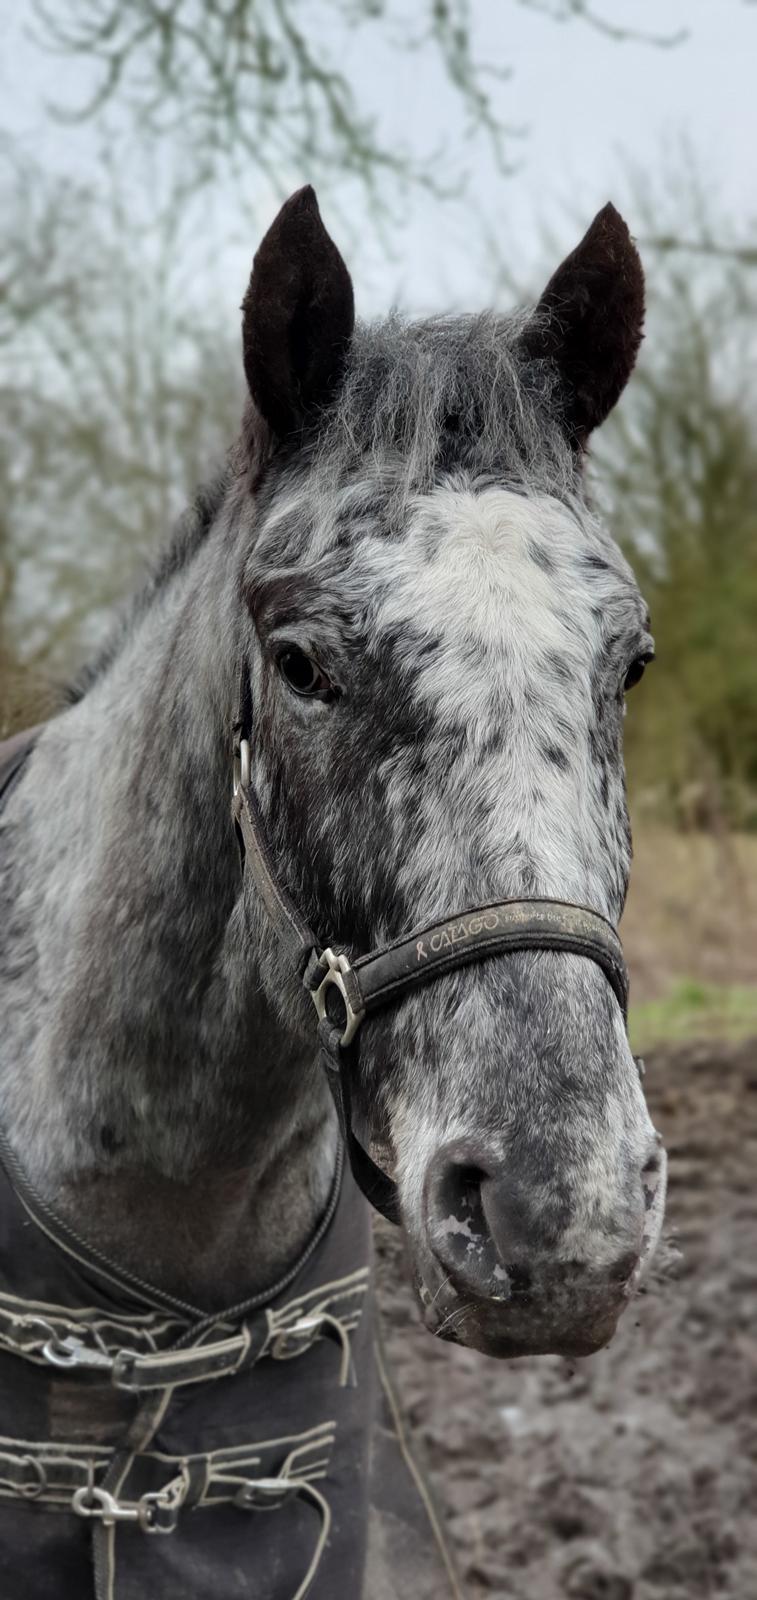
(345, 992)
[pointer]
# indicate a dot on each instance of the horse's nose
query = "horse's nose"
(498, 1227)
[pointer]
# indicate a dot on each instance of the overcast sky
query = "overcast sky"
(586, 103)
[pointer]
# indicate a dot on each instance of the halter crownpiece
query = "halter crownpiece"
(345, 993)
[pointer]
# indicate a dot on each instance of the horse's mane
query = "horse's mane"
(186, 538)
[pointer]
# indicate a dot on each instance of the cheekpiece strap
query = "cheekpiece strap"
(293, 931)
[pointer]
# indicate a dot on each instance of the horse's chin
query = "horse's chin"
(566, 1318)
(521, 1324)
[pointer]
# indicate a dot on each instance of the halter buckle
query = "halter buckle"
(337, 969)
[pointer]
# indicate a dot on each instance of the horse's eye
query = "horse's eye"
(636, 670)
(302, 674)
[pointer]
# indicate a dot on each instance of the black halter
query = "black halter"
(345, 992)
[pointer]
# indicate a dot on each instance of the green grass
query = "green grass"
(694, 1010)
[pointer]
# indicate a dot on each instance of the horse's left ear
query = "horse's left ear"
(590, 321)
(298, 317)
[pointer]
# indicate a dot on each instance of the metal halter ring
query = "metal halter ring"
(241, 778)
(337, 967)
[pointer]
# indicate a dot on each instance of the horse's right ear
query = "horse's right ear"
(298, 317)
(589, 322)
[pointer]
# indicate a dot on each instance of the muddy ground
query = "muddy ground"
(632, 1475)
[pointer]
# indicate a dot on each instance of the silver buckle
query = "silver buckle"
(337, 966)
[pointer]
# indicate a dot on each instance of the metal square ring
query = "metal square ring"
(337, 966)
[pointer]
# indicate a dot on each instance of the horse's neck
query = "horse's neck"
(144, 1082)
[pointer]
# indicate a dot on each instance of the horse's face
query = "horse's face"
(442, 639)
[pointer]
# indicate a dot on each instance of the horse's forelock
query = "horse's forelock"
(444, 393)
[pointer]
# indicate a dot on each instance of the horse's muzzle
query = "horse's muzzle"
(497, 1277)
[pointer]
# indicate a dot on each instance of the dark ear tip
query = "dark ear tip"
(304, 199)
(300, 211)
(611, 230)
(610, 216)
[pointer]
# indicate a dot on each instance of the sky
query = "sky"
(588, 106)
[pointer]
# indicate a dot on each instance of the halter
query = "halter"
(345, 992)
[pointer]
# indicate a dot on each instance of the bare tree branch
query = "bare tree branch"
(668, 244)
(581, 10)
(118, 393)
(262, 82)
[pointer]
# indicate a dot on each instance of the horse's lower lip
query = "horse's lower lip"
(509, 1332)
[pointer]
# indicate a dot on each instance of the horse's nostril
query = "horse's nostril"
(457, 1226)
(520, 1278)
(483, 1225)
(468, 1181)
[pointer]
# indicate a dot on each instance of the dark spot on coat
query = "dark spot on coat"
(540, 556)
(109, 1139)
(555, 755)
(557, 666)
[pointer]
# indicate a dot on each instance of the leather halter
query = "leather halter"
(346, 992)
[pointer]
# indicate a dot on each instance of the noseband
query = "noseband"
(345, 993)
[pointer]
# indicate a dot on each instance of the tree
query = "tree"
(261, 86)
(680, 462)
(117, 396)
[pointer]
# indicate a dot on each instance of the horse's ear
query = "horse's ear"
(590, 321)
(298, 317)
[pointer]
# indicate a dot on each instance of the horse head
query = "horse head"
(439, 633)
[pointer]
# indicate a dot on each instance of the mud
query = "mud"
(631, 1475)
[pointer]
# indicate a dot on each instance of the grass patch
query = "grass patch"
(692, 1010)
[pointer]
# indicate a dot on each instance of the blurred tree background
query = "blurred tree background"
(678, 464)
(119, 393)
(120, 371)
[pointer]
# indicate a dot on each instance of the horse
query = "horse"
(374, 687)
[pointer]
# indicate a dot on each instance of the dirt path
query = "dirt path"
(633, 1475)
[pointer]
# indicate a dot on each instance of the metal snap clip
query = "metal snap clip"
(70, 1352)
(89, 1501)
